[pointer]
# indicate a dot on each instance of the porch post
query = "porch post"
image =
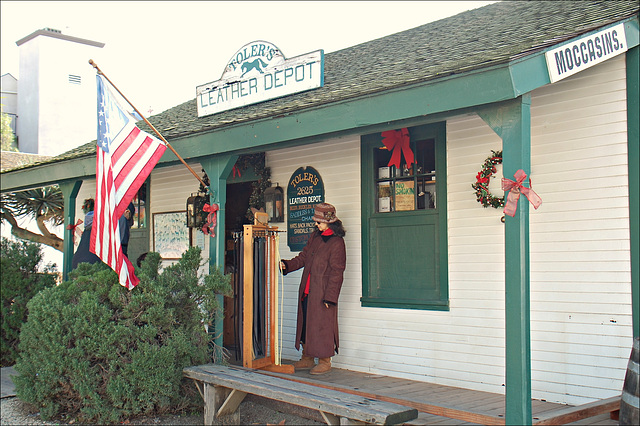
(512, 122)
(218, 169)
(69, 192)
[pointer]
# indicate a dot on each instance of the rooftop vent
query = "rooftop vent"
(53, 30)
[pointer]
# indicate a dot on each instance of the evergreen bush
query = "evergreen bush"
(97, 352)
(21, 280)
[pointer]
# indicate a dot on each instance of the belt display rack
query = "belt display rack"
(259, 286)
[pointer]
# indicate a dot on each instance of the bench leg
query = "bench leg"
(332, 419)
(222, 402)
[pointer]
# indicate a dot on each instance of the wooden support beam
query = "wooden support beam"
(231, 403)
(330, 419)
(574, 413)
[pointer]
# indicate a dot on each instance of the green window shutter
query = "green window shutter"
(405, 252)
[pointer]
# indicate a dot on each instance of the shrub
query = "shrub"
(94, 350)
(21, 280)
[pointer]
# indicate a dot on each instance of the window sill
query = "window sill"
(433, 305)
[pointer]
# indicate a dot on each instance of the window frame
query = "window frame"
(371, 217)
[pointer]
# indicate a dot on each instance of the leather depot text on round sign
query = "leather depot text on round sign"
(304, 191)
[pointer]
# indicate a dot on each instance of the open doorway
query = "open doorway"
(237, 204)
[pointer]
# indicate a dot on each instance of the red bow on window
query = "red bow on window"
(397, 141)
(74, 230)
(515, 188)
(209, 228)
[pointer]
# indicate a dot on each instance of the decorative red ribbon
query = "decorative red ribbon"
(212, 219)
(236, 170)
(74, 230)
(397, 141)
(515, 189)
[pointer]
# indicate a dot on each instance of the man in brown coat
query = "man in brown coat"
(324, 260)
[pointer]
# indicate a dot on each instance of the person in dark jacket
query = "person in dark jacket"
(324, 260)
(125, 223)
(82, 254)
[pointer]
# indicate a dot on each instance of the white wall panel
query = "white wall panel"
(579, 237)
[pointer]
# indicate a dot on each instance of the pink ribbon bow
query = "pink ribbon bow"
(212, 219)
(515, 188)
(397, 141)
(75, 231)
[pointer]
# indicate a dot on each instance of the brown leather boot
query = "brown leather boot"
(305, 363)
(324, 366)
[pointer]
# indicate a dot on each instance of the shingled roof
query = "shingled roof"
(472, 40)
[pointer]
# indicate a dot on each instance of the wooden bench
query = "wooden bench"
(224, 387)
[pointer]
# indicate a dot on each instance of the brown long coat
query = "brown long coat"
(325, 261)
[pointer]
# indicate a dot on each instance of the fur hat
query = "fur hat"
(325, 213)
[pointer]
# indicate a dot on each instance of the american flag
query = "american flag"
(125, 157)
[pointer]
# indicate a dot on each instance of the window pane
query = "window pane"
(409, 187)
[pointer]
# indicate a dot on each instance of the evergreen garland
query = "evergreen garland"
(257, 162)
(483, 195)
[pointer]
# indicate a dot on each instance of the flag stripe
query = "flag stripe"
(153, 158)
(123, 163)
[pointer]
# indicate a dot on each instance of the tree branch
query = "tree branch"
(24, 234)
(40, 220)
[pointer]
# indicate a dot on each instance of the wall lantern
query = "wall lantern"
(274, 203)
(196, 216)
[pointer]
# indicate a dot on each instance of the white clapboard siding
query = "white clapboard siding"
(170, 188)
(338, 163)
(580, 264)
(581, 323)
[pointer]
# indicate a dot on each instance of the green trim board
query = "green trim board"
(218, 169)
(633, 152)
(70, 191)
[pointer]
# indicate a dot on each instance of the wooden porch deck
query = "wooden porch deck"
(455, 406)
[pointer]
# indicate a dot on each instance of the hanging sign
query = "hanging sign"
(304, 191)
(585, 52)
(259, 72)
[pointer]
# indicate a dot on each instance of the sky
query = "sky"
(158, 52)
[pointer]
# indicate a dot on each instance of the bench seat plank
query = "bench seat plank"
(325, 400)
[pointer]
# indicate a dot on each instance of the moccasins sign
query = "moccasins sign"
(585, 52)
(259, 72)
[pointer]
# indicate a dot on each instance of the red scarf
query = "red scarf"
(326, 233)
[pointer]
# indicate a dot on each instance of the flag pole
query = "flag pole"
(149, 124)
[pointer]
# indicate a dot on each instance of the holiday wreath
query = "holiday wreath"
(483, 195)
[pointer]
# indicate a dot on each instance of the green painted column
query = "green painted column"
(512, 122)
(69, 192)
(218, 169)
(633, 152)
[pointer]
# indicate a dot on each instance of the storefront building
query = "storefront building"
(438, 288)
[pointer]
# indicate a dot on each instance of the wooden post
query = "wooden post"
(69, 193)
(247, 303)
(511, 120)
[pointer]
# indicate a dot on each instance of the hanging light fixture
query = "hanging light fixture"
(196, 216)
(274, 203)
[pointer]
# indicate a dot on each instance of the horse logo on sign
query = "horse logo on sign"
(253, 65)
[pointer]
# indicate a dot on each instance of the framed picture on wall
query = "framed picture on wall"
(170, 234)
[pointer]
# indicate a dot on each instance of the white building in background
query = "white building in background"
(9, 97)
(56, 92)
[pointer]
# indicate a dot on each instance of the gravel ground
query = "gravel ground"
(253, 411)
